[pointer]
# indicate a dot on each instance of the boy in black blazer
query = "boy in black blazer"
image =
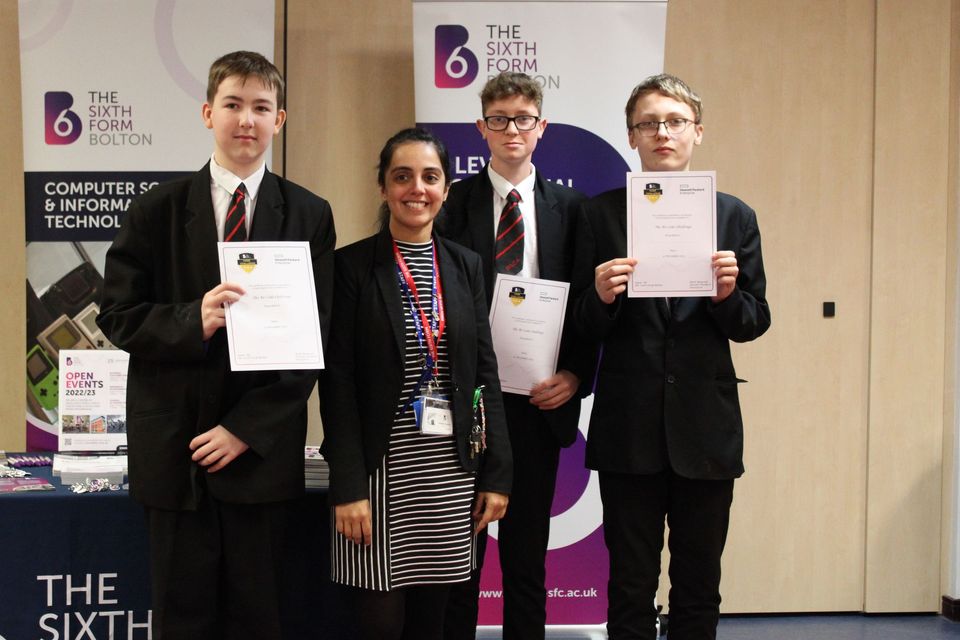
(542, 423)
(666, 433)
(214, 455)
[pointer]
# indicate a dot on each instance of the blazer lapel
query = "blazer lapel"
(548, 232)
(201, 230)
(385, 272)
(268, 216)
(480, 219)
(454, 289)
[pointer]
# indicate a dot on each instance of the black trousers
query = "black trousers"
(215, 571)
(523, 536)
(698, 514)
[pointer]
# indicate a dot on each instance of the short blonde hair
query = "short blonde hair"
(668, 85)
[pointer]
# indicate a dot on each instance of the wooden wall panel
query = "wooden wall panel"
(950, 524)
(350, 73)
(788, 95)
(909, 305)
(13, 313)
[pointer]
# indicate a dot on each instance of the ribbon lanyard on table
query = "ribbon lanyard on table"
(429, 330)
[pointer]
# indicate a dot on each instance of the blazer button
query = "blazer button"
(671, 379)
(671, 343)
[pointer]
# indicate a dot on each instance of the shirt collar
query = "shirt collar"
(226, 179)
(503, 187)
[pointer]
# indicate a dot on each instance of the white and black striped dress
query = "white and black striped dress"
(420, 496)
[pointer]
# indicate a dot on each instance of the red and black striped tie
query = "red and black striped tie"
(509, 244)
(235, 228)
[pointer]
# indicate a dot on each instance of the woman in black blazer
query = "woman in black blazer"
(410, 335)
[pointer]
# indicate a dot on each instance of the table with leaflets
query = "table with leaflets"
(75, 566)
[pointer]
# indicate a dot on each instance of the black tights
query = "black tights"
(408, 613)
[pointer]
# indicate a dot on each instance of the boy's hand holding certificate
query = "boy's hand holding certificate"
(672, 232)
(276, 323)
(526, 320)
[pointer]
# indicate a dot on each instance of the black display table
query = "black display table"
(74, 566)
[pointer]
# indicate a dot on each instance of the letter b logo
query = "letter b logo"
(62, 126)
(455, 66)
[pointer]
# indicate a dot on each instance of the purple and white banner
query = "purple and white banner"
(112, 92)
(588, 56)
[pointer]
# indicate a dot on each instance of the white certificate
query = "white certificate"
(276, 323)
(93, 399)
(672, 232)
(526, 319)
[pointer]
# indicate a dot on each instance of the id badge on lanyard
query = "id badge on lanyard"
(434, 413)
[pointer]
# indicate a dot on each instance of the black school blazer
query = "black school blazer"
(160, 264)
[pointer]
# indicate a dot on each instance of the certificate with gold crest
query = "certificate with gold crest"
(275, 325)
(526, 320)
(672, 232)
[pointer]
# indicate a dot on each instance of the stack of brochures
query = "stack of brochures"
(317, 470)
(10, 485)
(72, 469)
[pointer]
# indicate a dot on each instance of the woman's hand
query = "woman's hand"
(489, 507)
(353, 521)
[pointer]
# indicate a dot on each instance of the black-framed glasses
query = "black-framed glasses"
(522, 123)
(674, 126)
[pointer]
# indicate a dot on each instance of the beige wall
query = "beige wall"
(350, 73)
(13, 273)
(950, 525)
(912, 228)
(830, 117)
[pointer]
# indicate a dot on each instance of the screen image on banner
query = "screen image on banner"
(587, 56)
(101, 125)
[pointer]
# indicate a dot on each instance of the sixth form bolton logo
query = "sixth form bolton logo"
(455, 66)
(61, 126)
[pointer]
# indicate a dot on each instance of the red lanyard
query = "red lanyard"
(431, 331)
